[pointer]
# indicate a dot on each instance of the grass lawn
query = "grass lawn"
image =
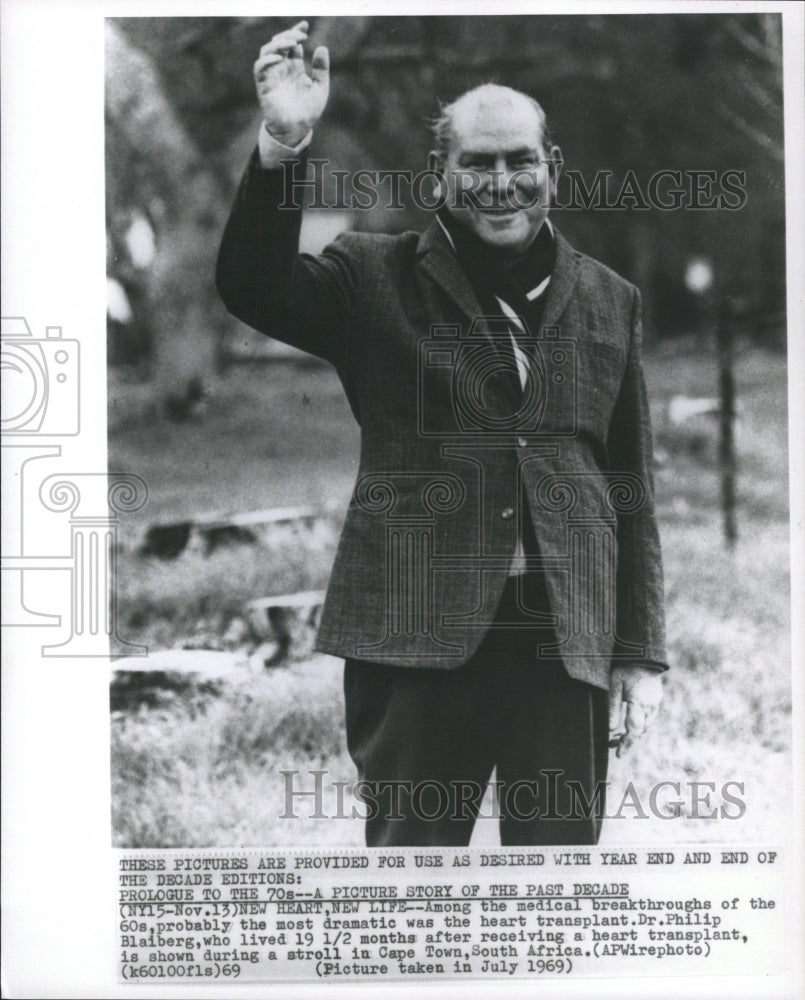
(205, 770)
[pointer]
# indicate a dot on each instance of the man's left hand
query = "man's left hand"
(635, 693)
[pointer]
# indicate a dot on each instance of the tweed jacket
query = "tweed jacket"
(452, 454)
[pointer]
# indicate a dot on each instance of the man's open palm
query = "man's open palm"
(291, 101)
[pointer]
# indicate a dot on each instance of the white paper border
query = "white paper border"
(58, 867)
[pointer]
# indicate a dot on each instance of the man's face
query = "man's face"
(499, 183)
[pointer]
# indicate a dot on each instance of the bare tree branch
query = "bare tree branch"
(768, 100)
(764, 140)
(767, 53)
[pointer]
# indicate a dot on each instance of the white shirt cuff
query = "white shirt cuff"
(273, 152)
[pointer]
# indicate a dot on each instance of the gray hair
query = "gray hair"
(486, 94)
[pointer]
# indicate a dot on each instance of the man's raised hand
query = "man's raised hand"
(291, 101)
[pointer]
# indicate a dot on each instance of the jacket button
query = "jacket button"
(507, 512)
(521, 442)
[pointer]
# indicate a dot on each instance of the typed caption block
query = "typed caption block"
(272, 916)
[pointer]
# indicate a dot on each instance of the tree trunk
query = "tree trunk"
(186, 203)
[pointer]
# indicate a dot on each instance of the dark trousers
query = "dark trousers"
(425, 742)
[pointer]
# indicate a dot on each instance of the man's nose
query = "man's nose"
(499, 178)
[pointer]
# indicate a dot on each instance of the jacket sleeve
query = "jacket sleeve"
(640, 601)
(263, 280)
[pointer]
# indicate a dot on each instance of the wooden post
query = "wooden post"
(726, 446)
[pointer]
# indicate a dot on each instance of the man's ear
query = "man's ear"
(435, 162)
(555, 164)
(436, 167)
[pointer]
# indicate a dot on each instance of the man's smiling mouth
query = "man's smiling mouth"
(498, 209)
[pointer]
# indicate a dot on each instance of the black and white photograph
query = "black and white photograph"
(402, 498)
(464, 342)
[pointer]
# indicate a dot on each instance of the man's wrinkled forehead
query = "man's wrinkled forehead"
(502, 124)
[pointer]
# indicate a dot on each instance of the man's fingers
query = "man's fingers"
(635, 719)
(615, 705)
(264, 63)
(320, 65)
(635, 727)
(295, 34)
(635, 691)
(617, 720)
(638, 717)
(285, 41)
(285, 48)
(651, 713)
(288, 45)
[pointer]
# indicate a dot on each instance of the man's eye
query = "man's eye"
(525, 164)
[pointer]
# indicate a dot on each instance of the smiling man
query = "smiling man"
(498, 584)
(499, 175)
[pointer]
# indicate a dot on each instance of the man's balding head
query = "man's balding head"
(486, 101)
(493, 142)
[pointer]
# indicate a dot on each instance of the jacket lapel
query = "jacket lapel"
(437, 258)
(563, 280)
